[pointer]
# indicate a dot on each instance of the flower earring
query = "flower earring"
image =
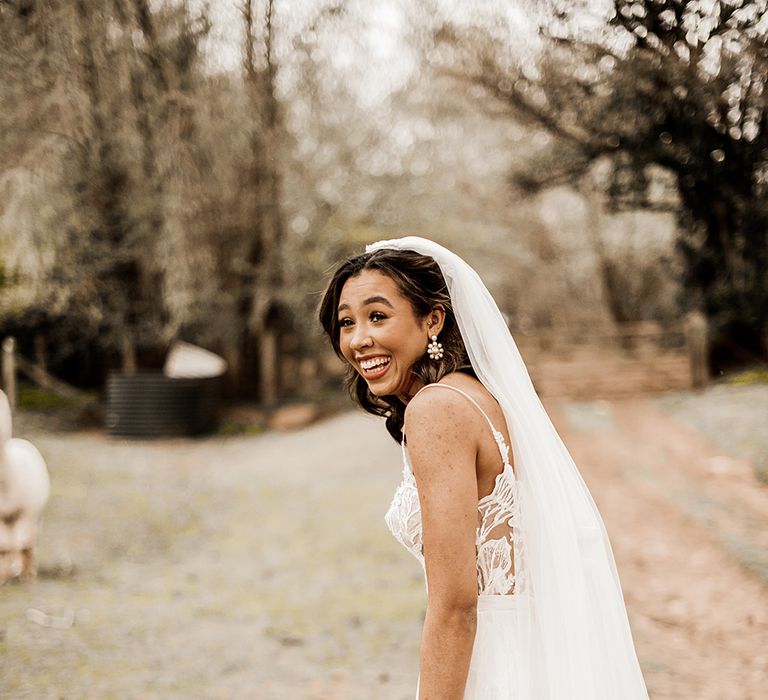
(435, 349)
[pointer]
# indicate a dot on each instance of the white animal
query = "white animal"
(24, 490)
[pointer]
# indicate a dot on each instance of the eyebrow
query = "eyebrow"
(370, 300)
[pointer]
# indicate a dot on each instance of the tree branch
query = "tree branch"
(523, 106)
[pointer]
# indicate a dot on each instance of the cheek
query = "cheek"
(344, 347)
(418, 342)
(347, 352)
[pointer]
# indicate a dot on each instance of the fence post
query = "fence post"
(696, 336)
(268, 371)
(9, 369)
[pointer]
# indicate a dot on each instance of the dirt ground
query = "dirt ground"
(260, 566)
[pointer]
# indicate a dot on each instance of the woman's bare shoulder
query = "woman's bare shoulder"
(475, 388)
(441, 427)
(437, 413)
(477, 391)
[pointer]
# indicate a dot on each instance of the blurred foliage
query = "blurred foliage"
(147, 196)
(638, 85)
(750, 376)
(133, 212)
(149, 193)
(230, 428)
(98, 106)
(38, 399)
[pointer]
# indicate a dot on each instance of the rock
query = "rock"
(294, 416)
(244, 414)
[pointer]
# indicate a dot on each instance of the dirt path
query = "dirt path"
(260, 567)
(686, 524)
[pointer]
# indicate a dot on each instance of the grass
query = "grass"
(227, 428)
(758, 375)
(34, 398)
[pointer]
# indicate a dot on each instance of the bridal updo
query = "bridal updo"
(420, 281)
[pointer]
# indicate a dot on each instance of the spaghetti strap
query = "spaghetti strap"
(466, 395)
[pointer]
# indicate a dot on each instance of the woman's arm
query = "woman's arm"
(442, 429)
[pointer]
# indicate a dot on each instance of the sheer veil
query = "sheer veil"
(576, 623)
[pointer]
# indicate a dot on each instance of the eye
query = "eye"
(345, 322)
(377, 316)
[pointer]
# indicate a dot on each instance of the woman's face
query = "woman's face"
(380, 335)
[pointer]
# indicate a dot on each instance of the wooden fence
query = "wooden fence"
(12, 363)
(631, 359)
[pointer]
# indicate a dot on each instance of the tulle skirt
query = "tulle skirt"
(503, 655)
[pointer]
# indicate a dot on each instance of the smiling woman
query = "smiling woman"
(380, 311)
(382, 337)
(523, 598)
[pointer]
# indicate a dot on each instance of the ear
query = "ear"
(435, 319)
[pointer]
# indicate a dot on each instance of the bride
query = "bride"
(523, 598)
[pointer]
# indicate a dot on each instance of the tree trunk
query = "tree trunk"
(9, 369)
(264, 255)
(725, 245)
(41, 351)
(610, 295)
(269, 370)
(698, 348)
(128, 352)
(105, 184)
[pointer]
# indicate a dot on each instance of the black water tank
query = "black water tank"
(151, 404)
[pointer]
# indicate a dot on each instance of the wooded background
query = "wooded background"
(180, 170)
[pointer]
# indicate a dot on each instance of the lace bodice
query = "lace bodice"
(499, 552)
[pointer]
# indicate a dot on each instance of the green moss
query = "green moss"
(229, 428)
(34, 398)
(761, 470)
(751, 376)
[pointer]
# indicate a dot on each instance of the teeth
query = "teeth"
(375, 362)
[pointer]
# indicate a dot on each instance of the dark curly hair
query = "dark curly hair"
(420, 281)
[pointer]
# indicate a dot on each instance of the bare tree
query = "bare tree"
(674, 85)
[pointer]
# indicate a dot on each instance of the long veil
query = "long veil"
(576, 625)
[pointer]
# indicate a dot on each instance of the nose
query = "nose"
(361, 339)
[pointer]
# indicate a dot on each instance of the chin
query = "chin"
(383, 389)
(380, 391)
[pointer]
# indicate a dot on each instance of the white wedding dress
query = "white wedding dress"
(501, 661)
(552, 623)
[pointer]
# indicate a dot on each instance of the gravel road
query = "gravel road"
(260, 567)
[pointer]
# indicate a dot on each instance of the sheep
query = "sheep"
(24, 490)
